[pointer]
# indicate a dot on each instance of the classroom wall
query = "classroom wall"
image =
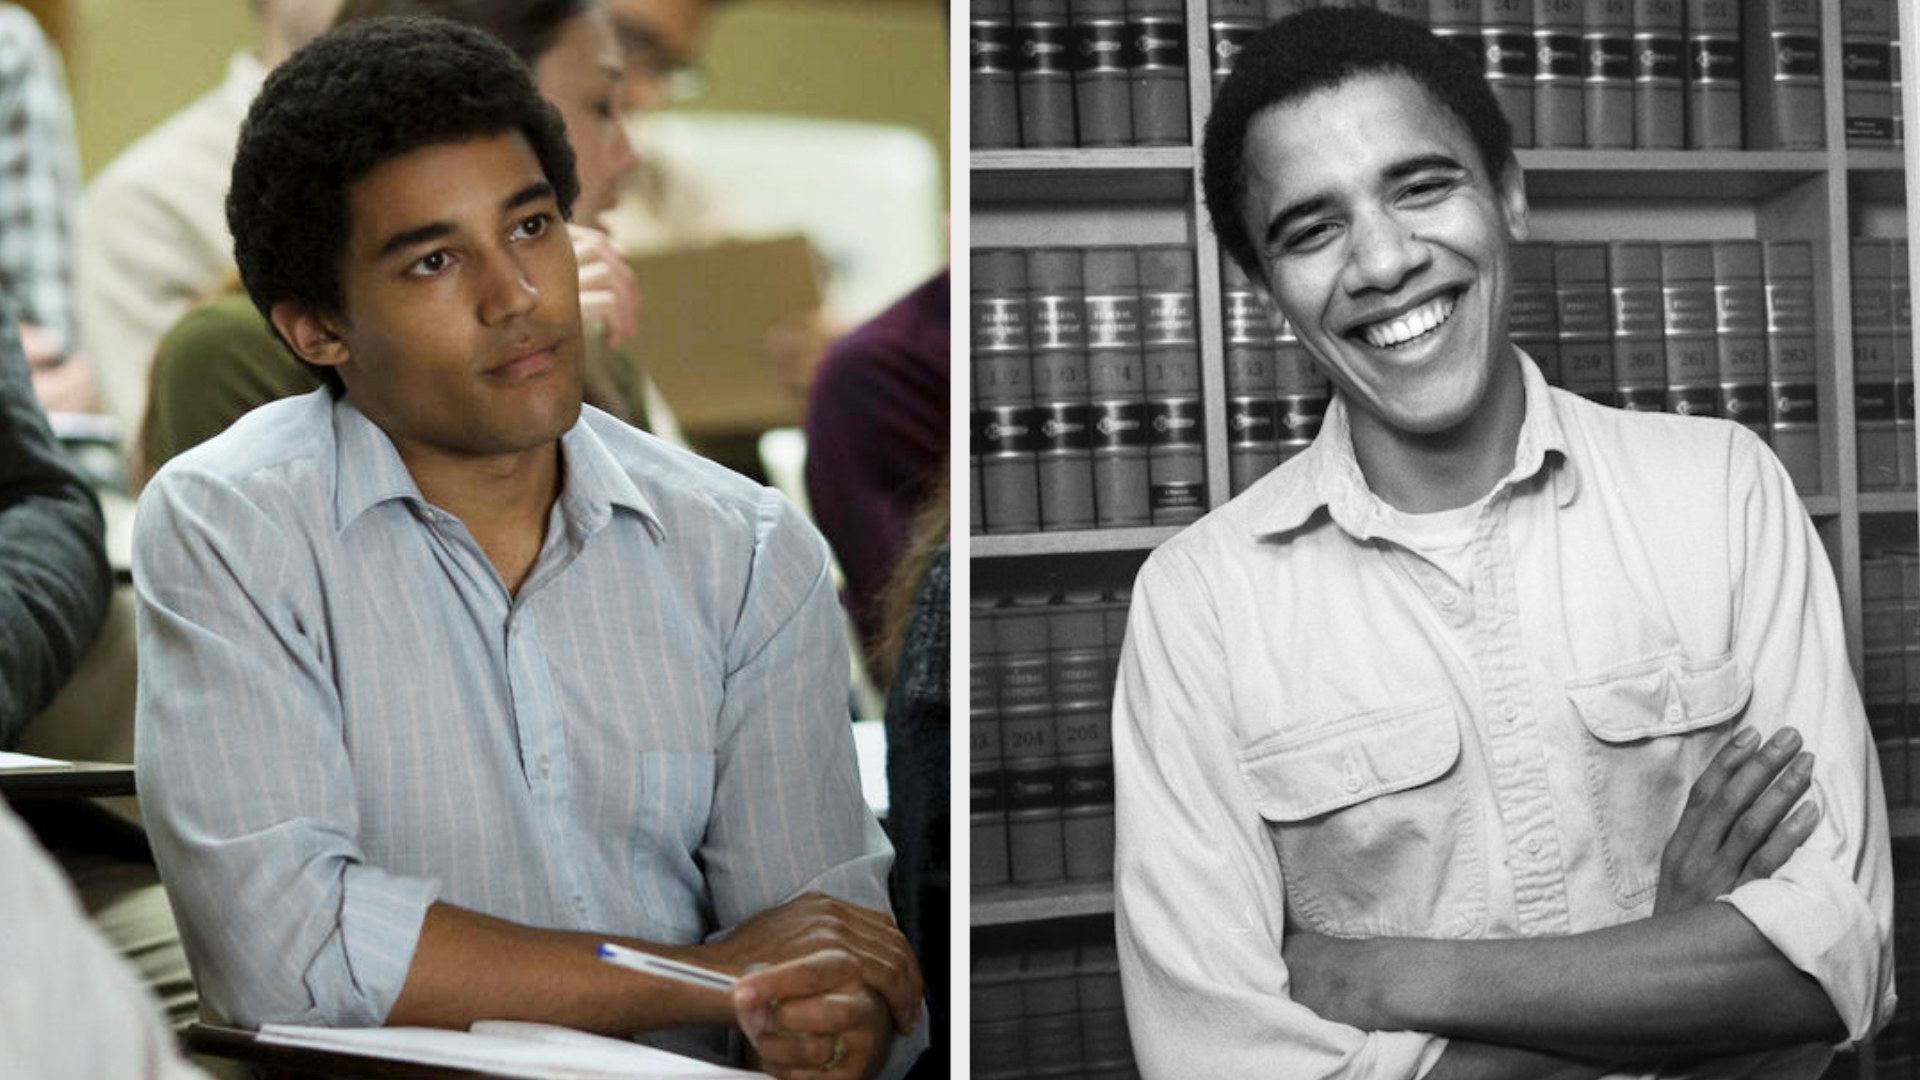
(134, 62)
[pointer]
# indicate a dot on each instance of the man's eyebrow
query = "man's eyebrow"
(1397, 171)
(534, 192)
(434, 230)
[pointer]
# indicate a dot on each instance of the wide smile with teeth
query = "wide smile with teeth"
(1411, 327)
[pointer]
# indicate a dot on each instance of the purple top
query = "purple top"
(877, 424)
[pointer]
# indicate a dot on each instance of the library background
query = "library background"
(1719, 195)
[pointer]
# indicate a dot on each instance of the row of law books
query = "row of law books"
(1086, 387)
(1890, 664)
(1706, 328)
(1882, 321)
(1053, 1013)
(1646, 74)
(1040, 736)
(1049, 73)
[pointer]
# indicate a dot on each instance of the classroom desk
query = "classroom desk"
(300, 1063)
(82, 780)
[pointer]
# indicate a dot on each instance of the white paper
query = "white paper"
(505, 1048)
(11, 760)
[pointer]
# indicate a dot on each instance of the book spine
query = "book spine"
(1639, 339)
(1157, 72)
(1301, 392)
(1901, 777)
(997, 1018)
(1533, 321)
(1229, 24)
(1003, 383)
(986, 779)
(1506, 42)
(1083, 730)
(1899, 77)
(1866, 71)
(1032, 757)
(1253, 439)
(1103, 1015)
(1102, 91)
(1659, 76)
(1785, 77)
(1559, 120)
(1883, 679)
(1043, 72)
(1740, 332)
(1119, 601)
(1693, 354)
(1176, 425)
(1793, 371)
(1874, 397)
(993, 108)
(1116, 385)
(1458, 22)
(1715, 75)
(1606, 41)
(1903, 365)
(1584, 309)
(1057, 324)
(976, 442)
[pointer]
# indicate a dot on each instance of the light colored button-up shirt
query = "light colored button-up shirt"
(69, 1005)
(344, 716)
(1316, 727)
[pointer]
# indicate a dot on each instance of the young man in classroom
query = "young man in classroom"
(1473, 741)
(445, 679)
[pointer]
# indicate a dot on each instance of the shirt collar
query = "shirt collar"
(1328, 474)
(368, 472)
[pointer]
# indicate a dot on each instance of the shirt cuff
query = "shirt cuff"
(1821, 922)
(380, 919)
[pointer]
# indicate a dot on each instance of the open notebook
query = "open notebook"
(504, 1048)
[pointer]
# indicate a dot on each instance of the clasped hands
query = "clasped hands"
(824, 985)
(1740, 824)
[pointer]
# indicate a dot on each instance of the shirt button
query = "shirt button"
(1353, 782)
(1532, 845)
(1674, 713)
(1448, 598)
(580, 904)
(546, 765)
(1509, 713)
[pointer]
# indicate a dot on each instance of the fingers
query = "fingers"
(609, 294)
(815, 973)
(886, 960)
(1785, 837)
(832, 1035)
(1738, 799)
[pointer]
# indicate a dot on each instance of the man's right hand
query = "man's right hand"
(816, 922)
(1736, 826)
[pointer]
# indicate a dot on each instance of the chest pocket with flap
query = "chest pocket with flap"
(1372, 824)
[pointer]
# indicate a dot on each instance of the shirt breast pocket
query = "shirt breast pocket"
(1372, 824)
(1651, 728)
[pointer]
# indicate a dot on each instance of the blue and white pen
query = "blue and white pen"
(649, 964)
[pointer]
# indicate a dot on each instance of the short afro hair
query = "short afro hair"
(355, 98)
(1319, 49)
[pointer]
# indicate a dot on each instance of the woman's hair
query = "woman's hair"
(528, 27)
(930, 529)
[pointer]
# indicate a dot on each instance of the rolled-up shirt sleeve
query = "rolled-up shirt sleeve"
(244, 778)
(1199, 898)
(1829, 910)
(789, 816)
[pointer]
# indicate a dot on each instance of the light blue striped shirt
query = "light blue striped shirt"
(344, 716)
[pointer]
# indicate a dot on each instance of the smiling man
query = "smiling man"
(446, 679)
(1499, 734)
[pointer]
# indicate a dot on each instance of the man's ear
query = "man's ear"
(1268, 304)
(315, 337)
(1512, 188)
